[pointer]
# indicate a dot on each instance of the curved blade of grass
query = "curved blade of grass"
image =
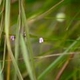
(17, 46)
(17, 40)
(7, 24)
(26, 58)
(55, 63)
(24, 21)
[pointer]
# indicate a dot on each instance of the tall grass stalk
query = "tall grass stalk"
(18, 25)
(31, 57)
(7, 24)
(26, 58)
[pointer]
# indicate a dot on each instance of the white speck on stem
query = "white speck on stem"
(41, 40)
(12, 38)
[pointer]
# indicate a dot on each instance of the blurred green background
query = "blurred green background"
(58, 28)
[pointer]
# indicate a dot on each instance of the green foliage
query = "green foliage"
(40, 39)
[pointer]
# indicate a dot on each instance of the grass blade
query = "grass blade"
(7, 24)
(54, 64)
(26, 57)
(24, 21)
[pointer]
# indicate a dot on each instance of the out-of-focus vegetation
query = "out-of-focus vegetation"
(39, 39)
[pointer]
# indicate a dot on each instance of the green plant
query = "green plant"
(39, 40)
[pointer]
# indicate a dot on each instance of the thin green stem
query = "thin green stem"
(28, 41)
(7, 24)
(44, 14)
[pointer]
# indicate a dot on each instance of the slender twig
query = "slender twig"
(64, 67)
(46, 56)
(30, 21)
(54, 55)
